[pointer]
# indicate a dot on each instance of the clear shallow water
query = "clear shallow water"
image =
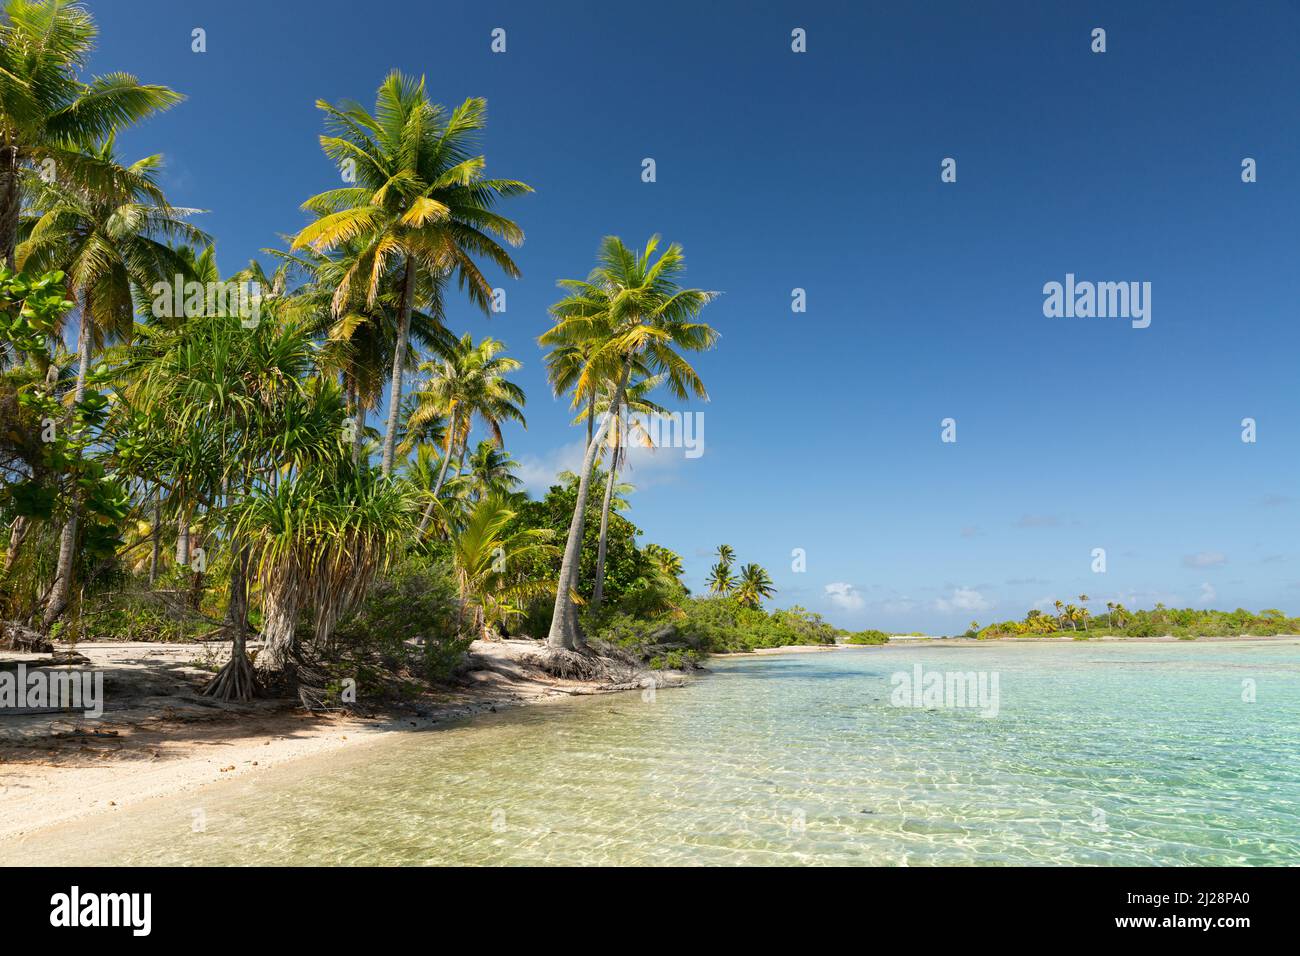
(1099, 754)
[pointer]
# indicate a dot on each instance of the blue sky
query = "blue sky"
(821, 171)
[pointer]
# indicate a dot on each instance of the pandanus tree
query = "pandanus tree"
(112, 250)
(230, 418)
(631, 312)
(421, 204)
(47, 113)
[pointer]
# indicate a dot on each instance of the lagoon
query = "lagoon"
(1099, 753)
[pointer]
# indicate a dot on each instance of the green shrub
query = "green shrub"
(412, 609)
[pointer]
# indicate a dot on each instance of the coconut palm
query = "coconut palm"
(492, 472)
(466, 385)
(633, 313)
(726, 554)
(754, 585)
(668, 562)
(110, 251)
(47, 113)
(421, 205)
(721, 580)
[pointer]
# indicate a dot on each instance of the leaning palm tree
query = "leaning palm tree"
(421, 204)
(634, 313)
(110, 251)
(47, 113)
(720, 579)
(755, 584)
(726, 555)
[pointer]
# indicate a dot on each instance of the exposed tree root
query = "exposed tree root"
(603, 664)
(237, 680)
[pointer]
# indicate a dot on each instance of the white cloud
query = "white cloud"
(1205, 559)
(1208, 594)
(963, 600)
(844, 596)
(538, 472)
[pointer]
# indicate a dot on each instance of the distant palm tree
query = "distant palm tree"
(755, 584)
(667, 561)
(1084, 599)
(421, 204)
(726, 554)
(721, 580)
(470, 383)
(48, 113)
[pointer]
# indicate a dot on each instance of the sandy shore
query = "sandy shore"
(158, 737)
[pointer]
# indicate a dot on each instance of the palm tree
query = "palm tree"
(726, 555)
(668, 562)
(482, 555)
(633, 313)
(1084, 599)
(109, 250)
(755, 585)
(721, 580)
(1060, 614)
(47, 113)
(421, 205)
(492, 472)
(360, 335)
(469, 383)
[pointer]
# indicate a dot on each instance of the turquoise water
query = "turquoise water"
(1098, 754)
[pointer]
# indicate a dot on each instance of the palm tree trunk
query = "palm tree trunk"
(591, 418)
(156, 546)
(236, 680)
(9, 205)
(598, 593)
(442, 476)
(57, 601)
(17, 534)
(182, 538)
(399, 357)
(564, 633)
(358, 421)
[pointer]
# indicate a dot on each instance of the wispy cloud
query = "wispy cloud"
(1208, 594)
(1205, 559)
(844, 596)
(1038, 521)
(964, 600)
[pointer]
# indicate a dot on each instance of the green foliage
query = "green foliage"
(867, 637)
(409, 613)
(1188, 623)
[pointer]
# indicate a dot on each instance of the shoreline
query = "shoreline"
(60, 768)
(158, 737)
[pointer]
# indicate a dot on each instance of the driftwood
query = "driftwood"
(15, 636)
